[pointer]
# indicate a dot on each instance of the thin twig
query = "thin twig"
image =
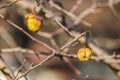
(19, 69)
(23, 50)
(51, 16)
(9, 73)
(24, 74)
(74, 17)
(10, 4)
(58, 31)
(111, 5)
(114, 57)
(26, 33)
(62, 26)
(44, 34)
(75, 39)
(66, 59)
(75, 6)
(38, 65)
(54, 43)
(84, 13)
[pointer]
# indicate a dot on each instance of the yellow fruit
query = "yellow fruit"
(33, 22)
(84, 54)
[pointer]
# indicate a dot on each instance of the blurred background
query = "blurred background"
(105, 28)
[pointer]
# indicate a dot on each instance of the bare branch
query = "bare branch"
(34, 67)
(75, 6)
(74, 17)
(19, 69)
(85, 13)
(111, 58)
(10, 4)
(101, 55)
(75, 39)
(27, 34)
(111, 5)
